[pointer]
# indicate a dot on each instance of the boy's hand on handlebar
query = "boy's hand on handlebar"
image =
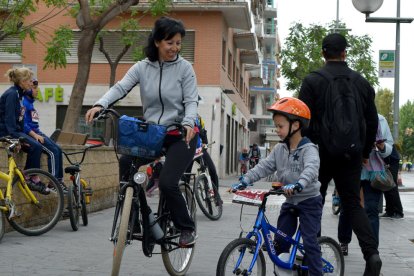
(239, 186)
(90, 114)
(290, 189)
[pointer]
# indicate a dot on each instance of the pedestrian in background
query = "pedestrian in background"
(345, 170)
(32, 128)
(12, 121)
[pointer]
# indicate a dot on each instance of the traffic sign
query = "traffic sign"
(386, 63)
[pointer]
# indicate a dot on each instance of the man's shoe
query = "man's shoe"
(187, 238)
(386, 215)
(397, 216)
(344, 249)
(373, 266)
(63, 186)
(38, 187)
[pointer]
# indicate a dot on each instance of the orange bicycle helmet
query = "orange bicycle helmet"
(293, 109)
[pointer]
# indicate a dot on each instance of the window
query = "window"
(223, 53)
(230, 65)
(252, 104)
(11, 49)
(112, 44)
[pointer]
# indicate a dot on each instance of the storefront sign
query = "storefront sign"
(50, 93)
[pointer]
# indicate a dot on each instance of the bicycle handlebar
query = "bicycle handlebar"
(79, 152)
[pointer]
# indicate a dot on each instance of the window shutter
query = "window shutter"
(7, 44)
(113, 45)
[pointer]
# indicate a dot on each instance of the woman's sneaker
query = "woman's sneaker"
(344, 249)
(187, 238)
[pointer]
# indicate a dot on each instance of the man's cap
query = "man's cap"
(334, 42)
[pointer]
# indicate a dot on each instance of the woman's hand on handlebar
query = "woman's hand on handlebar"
(90, 114)
(189, 134)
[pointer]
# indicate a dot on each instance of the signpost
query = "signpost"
(386, 63)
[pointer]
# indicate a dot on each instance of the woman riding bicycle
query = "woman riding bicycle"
(168, 90)
(296, 163)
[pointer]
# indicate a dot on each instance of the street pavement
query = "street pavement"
(88, 251)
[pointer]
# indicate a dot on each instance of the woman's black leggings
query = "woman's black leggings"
(177, 159)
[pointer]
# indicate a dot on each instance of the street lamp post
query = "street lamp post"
(368, 7)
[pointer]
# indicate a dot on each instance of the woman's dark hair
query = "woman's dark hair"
(164, 28)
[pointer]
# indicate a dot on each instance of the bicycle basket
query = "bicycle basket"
(137, 138)
(249, 197)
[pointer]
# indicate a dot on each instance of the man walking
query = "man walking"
(335, 80)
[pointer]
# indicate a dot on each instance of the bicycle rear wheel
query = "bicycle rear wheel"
(35, 219)
(2, 225)
(237, 257)
(332, 258)
(121, 231)
(207, 199)
(73, 207)
(177, 260)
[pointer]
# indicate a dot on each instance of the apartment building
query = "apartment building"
(231, 45)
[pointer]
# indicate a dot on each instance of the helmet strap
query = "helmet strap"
(287, 138)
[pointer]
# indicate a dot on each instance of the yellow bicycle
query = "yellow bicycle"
(32, 201)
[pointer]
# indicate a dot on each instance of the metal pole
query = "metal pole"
(397, 77)
(337, 16)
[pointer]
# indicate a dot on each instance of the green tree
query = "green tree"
(301, 53)
(383, 101)
(406, 126)
(13, 14)
(91, 18)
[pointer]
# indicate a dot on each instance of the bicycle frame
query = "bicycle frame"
(262, 230)
(7, 197)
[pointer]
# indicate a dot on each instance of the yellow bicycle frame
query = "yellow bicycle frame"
(13, 171)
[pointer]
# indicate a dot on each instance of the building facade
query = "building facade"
(222, 44)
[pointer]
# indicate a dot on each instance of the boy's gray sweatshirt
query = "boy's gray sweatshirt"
(168, 91)
(300, 165)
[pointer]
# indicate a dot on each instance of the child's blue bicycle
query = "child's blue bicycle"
(244, 256)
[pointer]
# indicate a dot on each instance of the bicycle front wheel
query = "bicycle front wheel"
(208, 199)
(121, 232)
(2, 225)
(73, 207)
(237, 257)
(35, 219)
(177, 260)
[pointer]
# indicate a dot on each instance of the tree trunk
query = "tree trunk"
(85, 49)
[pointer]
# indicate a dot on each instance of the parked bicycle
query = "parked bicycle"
(78, 193)
(244, 256)
(206, 192)
(28, 207)
(134, 220)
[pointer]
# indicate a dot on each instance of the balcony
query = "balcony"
(245, 40)
(235, 12)
(249, 57)
(270, 12)
(254, 70)
(262, 90)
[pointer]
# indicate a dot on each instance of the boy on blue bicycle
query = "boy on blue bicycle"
(296, 163)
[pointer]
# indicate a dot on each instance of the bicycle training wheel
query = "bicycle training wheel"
(177, 260)
(332, 258)
(2, 225)
(208, 200)
(121, 232)
(237, 257)
(84, 211)
(73, 207)
(33, 219)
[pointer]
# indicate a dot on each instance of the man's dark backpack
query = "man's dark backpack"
(343, 125)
